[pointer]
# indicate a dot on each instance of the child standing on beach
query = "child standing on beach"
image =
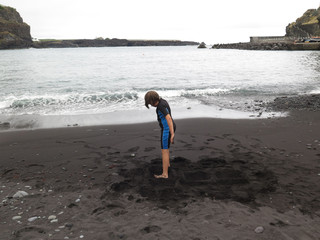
(168, 127)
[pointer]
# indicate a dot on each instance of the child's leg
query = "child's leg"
(165, 163)
(165, 145)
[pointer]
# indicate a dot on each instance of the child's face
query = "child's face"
(154, 104)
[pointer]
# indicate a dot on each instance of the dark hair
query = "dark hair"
(151, 97)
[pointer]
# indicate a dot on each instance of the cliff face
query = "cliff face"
(308, 25)
(14, 33)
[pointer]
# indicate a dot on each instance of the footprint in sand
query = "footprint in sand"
(133, 149)
(149, 149)
(150, 229)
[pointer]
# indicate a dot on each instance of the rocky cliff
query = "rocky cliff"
(308, 25)
(14, 33)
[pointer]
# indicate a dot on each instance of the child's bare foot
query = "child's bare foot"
(161, 176)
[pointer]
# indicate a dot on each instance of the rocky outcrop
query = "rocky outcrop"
(4, 126)
(14, 33)
(308, 25)
(300, 103)
(115, 42)
(202, 45)
(304, 27)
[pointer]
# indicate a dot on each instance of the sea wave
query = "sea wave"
(38, 104)
(67, 100)
(73, 103)
(316, 91)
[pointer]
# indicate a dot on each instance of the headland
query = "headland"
(303, 34)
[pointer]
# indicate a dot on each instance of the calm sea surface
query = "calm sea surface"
(91, 86)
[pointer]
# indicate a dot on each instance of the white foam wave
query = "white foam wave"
(97, 102)
(316, 91)
(5, 104)
(191, 92)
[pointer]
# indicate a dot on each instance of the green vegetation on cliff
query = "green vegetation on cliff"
(308, 25)
(14, 33)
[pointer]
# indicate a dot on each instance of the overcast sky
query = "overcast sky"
(222, 21)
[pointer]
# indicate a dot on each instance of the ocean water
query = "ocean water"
(44, 88)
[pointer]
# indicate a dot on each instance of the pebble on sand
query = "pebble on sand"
(20, 194)
(32, 219)
(51, 217)
(259, 229)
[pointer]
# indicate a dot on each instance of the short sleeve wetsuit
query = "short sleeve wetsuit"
(163, 109)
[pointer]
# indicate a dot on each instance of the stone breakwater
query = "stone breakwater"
(268, 46)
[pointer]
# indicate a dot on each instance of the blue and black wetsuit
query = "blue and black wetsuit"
(163, 109)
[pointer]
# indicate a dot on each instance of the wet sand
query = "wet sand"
(229, 179)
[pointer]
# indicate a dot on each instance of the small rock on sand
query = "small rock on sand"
(20, 194)
(51, 217)
(32, 219)
(259, 229)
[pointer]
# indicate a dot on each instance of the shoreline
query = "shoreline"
(279, 107)
(249, 179)
(35, 122)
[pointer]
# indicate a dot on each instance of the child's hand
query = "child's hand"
(172, 139)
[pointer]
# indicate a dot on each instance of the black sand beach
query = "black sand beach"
(229, 179)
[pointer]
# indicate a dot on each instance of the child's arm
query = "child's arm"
(170, 124)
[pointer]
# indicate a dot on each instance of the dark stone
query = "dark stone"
(202, 45)
(69, 225)
(5, 125)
